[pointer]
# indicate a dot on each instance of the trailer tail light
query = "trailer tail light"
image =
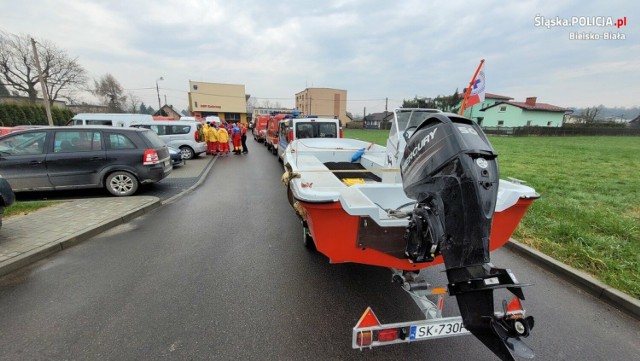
(365, 338)
(387, 335)
(150, 157)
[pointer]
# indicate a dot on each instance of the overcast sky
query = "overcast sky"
(373, 49)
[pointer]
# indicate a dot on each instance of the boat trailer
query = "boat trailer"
(369, 332)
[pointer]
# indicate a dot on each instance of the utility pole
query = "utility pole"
(386, 104)
(158, 91)
(45, 94)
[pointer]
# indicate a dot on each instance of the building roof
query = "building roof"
(496, 96)
(535, 107)
(379, 117)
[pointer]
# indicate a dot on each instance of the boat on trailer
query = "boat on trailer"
(431, 196)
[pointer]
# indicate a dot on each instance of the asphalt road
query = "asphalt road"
(221, 274)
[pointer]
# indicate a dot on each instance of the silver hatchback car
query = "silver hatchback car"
(184, 135)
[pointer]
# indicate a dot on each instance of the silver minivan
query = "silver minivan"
(184, 135)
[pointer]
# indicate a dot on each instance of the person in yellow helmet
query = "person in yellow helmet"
(213, 139)
(223, 140)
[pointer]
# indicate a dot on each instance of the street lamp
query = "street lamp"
(158, 90)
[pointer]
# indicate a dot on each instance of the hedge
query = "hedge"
(12, 114)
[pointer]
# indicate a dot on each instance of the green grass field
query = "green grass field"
(589, 212)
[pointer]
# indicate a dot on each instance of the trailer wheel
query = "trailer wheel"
(307, 240)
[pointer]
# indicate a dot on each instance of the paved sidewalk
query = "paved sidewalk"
(28, 238)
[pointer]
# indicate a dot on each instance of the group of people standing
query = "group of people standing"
(218, 135)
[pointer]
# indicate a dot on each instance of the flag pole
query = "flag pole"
(466, 94)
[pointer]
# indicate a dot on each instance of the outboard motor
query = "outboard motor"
(450, 169)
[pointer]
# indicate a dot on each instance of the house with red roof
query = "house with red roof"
(521, 114)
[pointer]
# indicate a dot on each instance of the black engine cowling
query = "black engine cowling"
(450, 169)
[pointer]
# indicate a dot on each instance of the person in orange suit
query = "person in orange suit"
(236, 136)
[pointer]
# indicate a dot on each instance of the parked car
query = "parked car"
(53, 158)
(6, 196)
(176, 156)
(7, 130)
(184, 135)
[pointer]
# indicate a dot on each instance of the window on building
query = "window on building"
(232, 117)
(548, 124)
(528, 123)
(503, 108)
(500, 123)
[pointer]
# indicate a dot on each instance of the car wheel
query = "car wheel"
(121, 184)
(187, 152)
(307, 240)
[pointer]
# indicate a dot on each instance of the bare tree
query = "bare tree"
(133, 103)
(265, 104)
(62, 74)
(592, 114)
(110, 93)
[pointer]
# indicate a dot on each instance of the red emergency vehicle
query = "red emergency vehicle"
(271, 140)
(260, 128)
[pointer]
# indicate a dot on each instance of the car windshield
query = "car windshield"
(316, 130)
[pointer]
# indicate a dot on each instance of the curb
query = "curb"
(606, 293)
(44, 251)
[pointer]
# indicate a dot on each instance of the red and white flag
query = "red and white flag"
(477, 91)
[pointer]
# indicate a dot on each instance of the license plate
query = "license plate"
(166, 163)
(437, 330)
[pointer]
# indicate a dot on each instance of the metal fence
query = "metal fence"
(561, 131)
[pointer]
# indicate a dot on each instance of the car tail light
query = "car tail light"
(150, 157)
(290, 136)
(196, 136)
(340, 132)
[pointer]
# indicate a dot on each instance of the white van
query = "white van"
(112, 119)
(184, 135)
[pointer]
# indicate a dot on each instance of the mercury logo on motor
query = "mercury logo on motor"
(428, 138)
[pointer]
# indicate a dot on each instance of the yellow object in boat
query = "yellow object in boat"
(352, 181)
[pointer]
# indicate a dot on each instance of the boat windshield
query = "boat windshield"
(410, 119)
